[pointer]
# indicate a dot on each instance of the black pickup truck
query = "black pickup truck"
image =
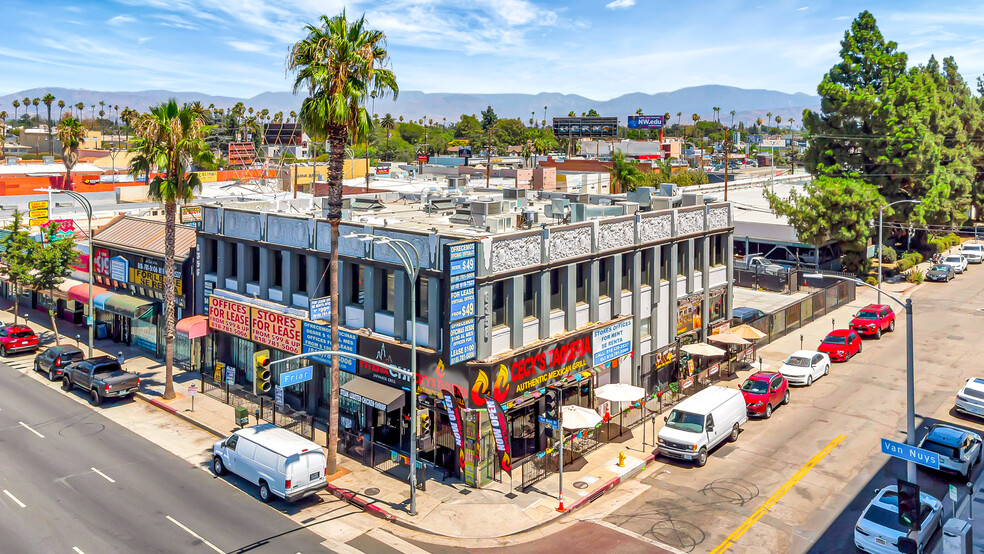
(102, 377)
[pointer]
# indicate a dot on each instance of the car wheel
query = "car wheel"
(878, 334)
(51, 374)
(826, 369)
(37, 367)
(809, 380)
(785, 398)
(94, 397)
(768, 411)
(734, 432)
(66, 384)
(3, 351)
(701, 457)
(217, 466)
(891, 326)
(264, 491)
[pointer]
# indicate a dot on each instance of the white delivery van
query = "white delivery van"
(277, 461)
(701, 422)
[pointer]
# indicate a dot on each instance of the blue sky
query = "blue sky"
(596, 48)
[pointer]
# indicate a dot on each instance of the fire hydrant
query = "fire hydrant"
(621, 459)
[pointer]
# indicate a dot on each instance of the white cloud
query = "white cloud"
(121, 20)
(247, 46)
(616, 4)
(803, 9)
(842, 18)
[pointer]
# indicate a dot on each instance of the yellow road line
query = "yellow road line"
(764, 508)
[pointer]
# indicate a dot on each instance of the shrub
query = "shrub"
(914, 276)
(872, 280)
(904, 264)
(953, 240)
(916, 257)
(889, 255)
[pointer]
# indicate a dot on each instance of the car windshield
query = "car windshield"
(954, 259)
(942, 449)
(942, 268)
(755, 387)
(974, 393)
(685, 421)
(972, 247)
(835, 340)
(867, 315)
(21, 334)
(884, 517)
(797, 361)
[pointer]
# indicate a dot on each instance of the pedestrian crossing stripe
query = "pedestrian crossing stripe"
(20, 363)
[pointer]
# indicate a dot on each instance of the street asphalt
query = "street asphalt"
(74, 481)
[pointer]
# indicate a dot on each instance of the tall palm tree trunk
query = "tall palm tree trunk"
(169, 229)
(336, 136)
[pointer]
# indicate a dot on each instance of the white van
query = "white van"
(701, 422)
(279, 462)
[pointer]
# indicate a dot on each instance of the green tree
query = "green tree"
(489, 119)
(340, 63)
(52, 264)
(18, 258)
(16, 104)
(624, 174)
(71, 133)
(48, 99)
(592, 113)
(171, 137)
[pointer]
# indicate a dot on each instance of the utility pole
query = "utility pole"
(726, 137)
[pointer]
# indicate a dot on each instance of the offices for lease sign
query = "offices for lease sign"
(228, 316)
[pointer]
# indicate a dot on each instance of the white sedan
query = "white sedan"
(805, 366)
(970, 398)
(878, 528)
(957, 262)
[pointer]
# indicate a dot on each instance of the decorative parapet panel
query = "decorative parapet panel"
(516, 253)
(569, 242)
(289, 231)
(210, 220)
(656, 227)
(717, 217)
(616, 234)
(384, 252)
(689, 222)
(242, 225)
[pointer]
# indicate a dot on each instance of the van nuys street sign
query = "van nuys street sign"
(911, 453)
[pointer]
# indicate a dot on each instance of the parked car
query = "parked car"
(701, 422)
(841, 345)
(940, 272)
(278, 462)
(744, 315)
(17, 338)
(805, 366)
(956, 261)
(764, 391)
(970, 397)
(959, 449)
(873, 319)
(102, 377)
(878, 529)
(759, 264)
(54, 360)
(974, 252)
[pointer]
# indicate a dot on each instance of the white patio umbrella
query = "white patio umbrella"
(576, 417)
(620, 392)
(728, 338)
(702, 349)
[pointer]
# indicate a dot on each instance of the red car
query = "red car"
(873, 319)
(841, 345)
(17, 338)
(763, 391)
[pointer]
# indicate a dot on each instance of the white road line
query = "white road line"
(77, 550)
(14, 498)
(29, 428)
(391, 540)
(193, 534)
(106, 477)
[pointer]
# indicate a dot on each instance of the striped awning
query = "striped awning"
(80, 292)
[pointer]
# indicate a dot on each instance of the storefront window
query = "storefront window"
(144, 335)
(522, 431)
(182, 350)
(716, 307)
(241, 355)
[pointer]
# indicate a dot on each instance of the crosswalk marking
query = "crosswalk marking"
(22, 363)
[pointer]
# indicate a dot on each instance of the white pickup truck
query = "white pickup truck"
(758, 264)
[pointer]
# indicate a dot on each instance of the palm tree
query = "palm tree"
(71, 133)
(758, 121)
(61, 107)
(27, 106)
(768, 117)
(16, 104)
(172, 137)
(732, 112)
(92, 111)
(778, 121)
(695, 119)
(340, 63)
(37, 115)
(48, 99)
(80, 106)
(678, 118)
(389, 124)
(3, 132)
(716, 111)
(624, 173)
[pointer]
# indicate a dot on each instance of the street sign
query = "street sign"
(37, 222)
(230, 375)
(297, 376)
(38, 213)
(953, 492)
(773, 143)
(38, 205)
(911, 453)
(549, 422)
(192, 390)
(278, 396)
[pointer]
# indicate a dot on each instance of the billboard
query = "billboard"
(646, 122)
(586, 127)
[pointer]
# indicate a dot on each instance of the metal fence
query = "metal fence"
(261, 407)
(785, 281)
(818, 304)
(382, 457)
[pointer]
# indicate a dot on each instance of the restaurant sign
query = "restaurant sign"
(228, 316)
(280, 331)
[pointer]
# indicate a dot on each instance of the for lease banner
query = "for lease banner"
(228, 316)
(279, 331)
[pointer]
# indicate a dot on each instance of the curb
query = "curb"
(611, 484)
(162, 406)
(365, 505)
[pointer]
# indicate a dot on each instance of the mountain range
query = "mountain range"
(748, 104)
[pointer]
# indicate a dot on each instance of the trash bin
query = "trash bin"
(957, 537)
(242, 416)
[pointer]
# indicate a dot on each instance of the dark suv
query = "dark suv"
(53, 360)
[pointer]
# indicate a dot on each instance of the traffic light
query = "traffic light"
(261, 371)
(551, 408)
(909, 505)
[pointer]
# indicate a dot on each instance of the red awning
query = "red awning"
(193, 327)
(80, 293)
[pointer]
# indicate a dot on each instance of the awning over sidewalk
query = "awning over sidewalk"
(129, 306)
(193, 327)
(80, 292)
(373, 394)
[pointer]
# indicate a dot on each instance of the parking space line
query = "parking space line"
(193, 534)
(77, 550)
(31, 429)
(104, 476)
(764, 508)
(14, 498)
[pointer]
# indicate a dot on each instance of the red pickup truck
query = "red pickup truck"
(873, 319)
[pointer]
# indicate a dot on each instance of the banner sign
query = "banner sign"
(119, 269)
(773, 143)
(317, 338)
(190, 213)
(462, 264)
(462, 341)
(499, 431)
(646, 122)
(152, 280)
(320, 308)
(454, 417)
(228, 316)
(100, 264)
(279, 331)
(611, 342)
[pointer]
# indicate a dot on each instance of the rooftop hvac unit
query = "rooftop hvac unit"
(662, 203)
(48, 159)
(513, 193)
(578, 198)
(579, 212)
(436, 205)
(530, 218)
(628, 208)
(500, 223)
(486, 207)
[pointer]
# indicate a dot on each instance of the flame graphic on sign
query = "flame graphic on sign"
(440, 369)
(479, 388)
(501, 387)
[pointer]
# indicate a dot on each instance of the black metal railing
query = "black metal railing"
(261, 407)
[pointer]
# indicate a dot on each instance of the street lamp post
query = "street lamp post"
(881, 212)
(910, 396)
(87, 206)
(402, 249)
